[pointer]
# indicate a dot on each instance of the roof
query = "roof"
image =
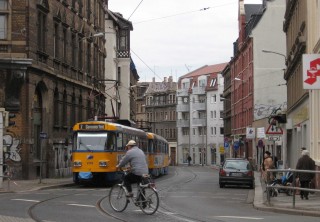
(118, 18)
(205, 70)
(254, 13)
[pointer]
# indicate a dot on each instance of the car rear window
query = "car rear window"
(240, 165)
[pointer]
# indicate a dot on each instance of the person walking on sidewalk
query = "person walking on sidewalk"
(189, 160)
(267, 164)
(305, 162)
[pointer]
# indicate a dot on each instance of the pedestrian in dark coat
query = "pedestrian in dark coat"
(305, 162)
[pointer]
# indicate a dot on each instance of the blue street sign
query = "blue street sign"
(236, 145)
(226, 144)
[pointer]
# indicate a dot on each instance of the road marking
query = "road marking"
(81, 205)
(246, 218)
(27, 200)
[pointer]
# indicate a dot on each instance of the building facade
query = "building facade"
(50, 61)
(160, 109)
(301, 26)
(199, 116)
(120, 74)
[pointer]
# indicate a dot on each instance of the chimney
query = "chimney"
(153, 79)
(170, 79)
(165, 79)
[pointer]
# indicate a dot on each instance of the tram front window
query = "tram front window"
(92, 141)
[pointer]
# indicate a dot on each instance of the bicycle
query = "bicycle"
(147, 197)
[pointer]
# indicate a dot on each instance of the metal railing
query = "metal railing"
(293, 186)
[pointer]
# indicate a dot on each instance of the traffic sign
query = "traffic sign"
(274, 130)
(274, 138)
(43, 135)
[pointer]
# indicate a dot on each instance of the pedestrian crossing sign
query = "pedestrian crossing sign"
(272, 129)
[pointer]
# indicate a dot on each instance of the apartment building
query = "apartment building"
(200, 116)
(160, 109)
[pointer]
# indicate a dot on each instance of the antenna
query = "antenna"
(188, 67)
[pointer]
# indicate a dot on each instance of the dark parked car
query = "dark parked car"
(236, 171)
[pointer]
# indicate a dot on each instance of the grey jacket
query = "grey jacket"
(137, 160)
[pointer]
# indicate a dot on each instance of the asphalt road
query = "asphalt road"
(187, 194)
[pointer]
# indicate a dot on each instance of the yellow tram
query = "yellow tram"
(98, 146)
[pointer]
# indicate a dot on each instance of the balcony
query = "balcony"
(183, 123)
(199, 106)
(182, 92)
(199, 122)
(198, 90)
(183, 108)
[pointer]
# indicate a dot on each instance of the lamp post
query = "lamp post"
(284, 138)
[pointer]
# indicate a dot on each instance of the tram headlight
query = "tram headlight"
(77, 164)
(103, 163)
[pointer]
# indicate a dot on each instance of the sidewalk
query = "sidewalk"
(27, 185)
(283, 203)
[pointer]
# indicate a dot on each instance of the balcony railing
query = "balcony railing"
(198, 90)
(182, 92)
(183, 123)
(199, 106)
(199, 122)
(183, 108)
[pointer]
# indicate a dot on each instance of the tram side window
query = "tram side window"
(111, 141)
(125, 140)
(144, 146)
(150, 146)
(120, 141)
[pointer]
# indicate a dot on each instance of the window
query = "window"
(41, 23)
(4, 19)
(213, 82)
(73, 110)
(80, 107)
(202, 82)
(64, 109)
(215, 114)
(88, 64)
(123, 40)
(221, 130)
(56, 41)
(80, 54)
(185, 100)
(3, 26)
(215, 131)
(56, 107)
(194, 131)
(74, 50)
(221, 114)
(64, 45)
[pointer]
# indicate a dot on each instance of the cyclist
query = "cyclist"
(138, 163)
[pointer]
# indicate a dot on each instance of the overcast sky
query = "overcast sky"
(174, 37)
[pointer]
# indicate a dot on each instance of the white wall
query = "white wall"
(269, 67)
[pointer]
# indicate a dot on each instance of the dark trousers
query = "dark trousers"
(129, 179)
(304, 184)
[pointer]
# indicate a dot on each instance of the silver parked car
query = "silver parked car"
(236, 171)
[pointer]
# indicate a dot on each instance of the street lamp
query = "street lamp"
(273, 52)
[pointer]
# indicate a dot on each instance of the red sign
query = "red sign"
(311, 71)
(274, 130)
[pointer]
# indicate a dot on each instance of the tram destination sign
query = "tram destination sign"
(91, 126)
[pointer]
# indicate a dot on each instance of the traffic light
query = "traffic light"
(8, 117)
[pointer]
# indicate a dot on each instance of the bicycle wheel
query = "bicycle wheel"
(117, 198)
(149, 201)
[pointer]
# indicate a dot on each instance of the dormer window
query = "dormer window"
(213, 82)
(123, 40)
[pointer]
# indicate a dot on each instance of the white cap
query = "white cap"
(131, 143)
